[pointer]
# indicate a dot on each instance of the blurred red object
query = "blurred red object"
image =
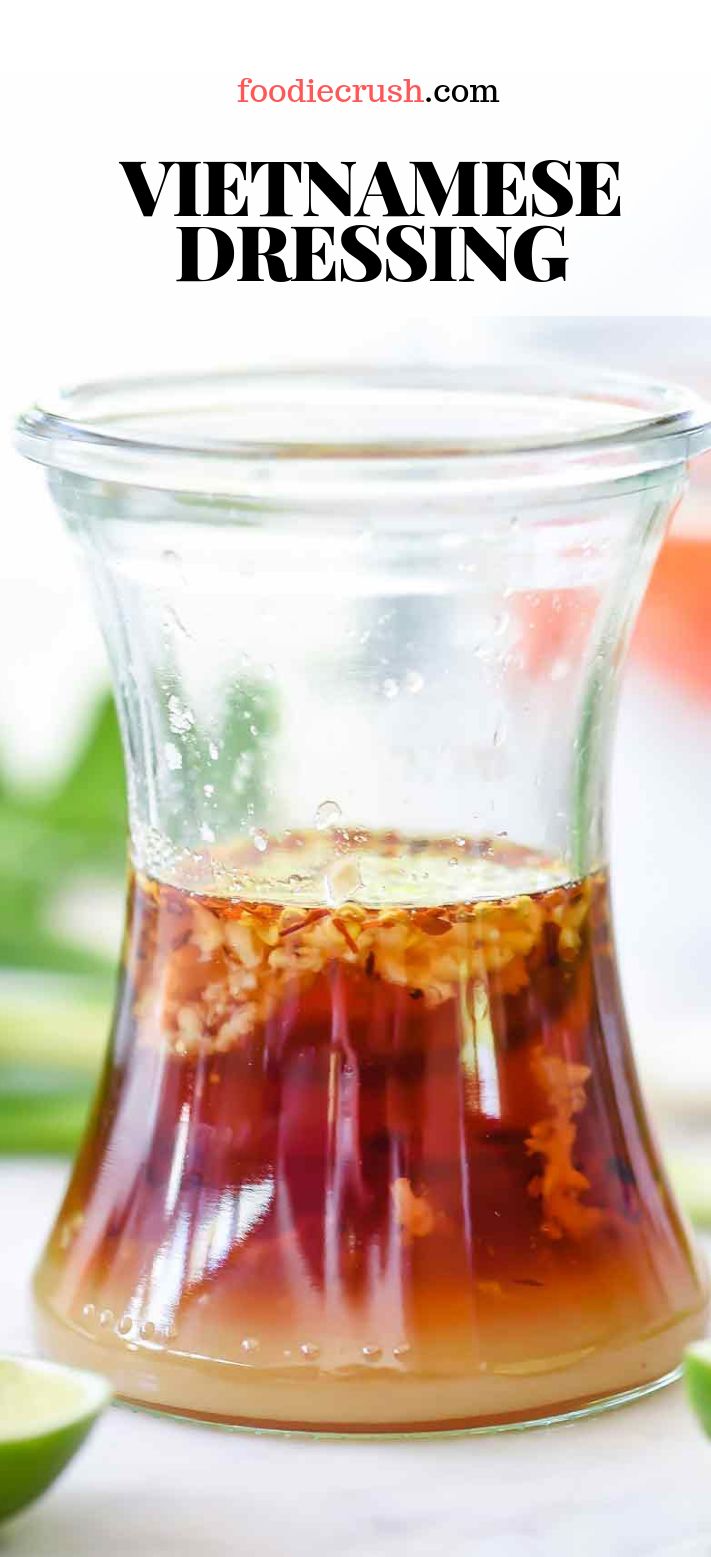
(673, 634)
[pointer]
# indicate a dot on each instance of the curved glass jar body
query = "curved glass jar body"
(369, 1152)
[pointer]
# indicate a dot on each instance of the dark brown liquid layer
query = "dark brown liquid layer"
(371, 1166)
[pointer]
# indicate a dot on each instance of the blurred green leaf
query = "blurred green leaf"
(50, 1046)
(41, 1112)
(90, 804)
(46, 839)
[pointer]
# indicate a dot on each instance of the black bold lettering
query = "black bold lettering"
(307, 253)
(352, 244)
(337, 194)
(190, 251)
(497, 189)
(414, 258)
(253, 253)
(382, 186)
(276, 195)
(591, 188)
(559, 194)
(142, 190)
(524, 259)
(217, 188)
(442, 254)
(463, 176)
(476, 243)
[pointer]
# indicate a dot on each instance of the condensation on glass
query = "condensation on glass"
(369, 1152)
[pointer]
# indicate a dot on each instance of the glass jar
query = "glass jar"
(369, 1152)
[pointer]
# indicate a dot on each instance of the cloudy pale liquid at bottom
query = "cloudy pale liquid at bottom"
(371, 1166)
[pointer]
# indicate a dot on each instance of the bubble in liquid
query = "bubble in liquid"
(389, 687)
(260, 840)
(213, 751)
(206, 833)
(148, 1330)
(342, 881)
(413, 681)
(309, 1350)
(106, 1318)
(327, 814)
(208, 790)
(249, 1344)
(125, 1325)
(372, 1353)
(173, 757)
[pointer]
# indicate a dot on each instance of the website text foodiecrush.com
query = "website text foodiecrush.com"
(306, 90)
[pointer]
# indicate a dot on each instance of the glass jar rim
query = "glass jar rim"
(320, 433)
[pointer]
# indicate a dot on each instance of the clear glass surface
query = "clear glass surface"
(369, 1152)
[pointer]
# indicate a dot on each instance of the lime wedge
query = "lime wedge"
(697, 1376)
(46, 1412)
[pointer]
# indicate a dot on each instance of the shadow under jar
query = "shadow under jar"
(369, 1153)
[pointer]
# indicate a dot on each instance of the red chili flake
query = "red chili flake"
(345, 932)
(301, 924)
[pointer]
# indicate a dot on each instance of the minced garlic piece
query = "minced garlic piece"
(229, 969)
(414, 1212)
(560, 1184)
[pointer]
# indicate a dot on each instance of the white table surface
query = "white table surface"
(635, 1482)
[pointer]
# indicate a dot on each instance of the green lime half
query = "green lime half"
(697, 1375)
(46, 1412)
